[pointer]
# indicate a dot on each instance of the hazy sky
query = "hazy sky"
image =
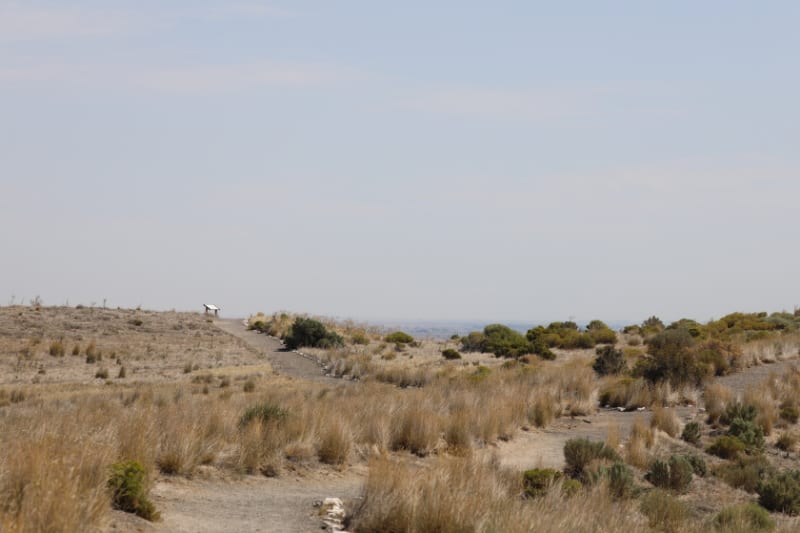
(405, 160)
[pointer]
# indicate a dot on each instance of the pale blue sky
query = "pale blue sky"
(374, 160)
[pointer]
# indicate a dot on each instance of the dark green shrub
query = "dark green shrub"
(726, 447)
(505, 342)
(360, 338)
(747, 516)
(258, 325)
(748, 432)
(536, 482)
(603, 336)
(311, 333)
(570, 487)
(781, 492)
(675, 474)
(620, 481)
(450, 353)
(609, 361)
(579, 452)
(735, 410)
(745, 473)
(265, 412)
(664, 512)
(699, 466)
(127, 482)
(399, 337)
(691, 433)
(474, 342)
(671, 359)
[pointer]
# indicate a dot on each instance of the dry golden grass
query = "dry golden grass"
(716, 398)
(640, 440)
(666, 420)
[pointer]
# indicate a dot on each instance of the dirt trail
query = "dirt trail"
(283, 361)
(754, 375)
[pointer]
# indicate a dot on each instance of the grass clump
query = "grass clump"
(57, 348)
(127, 482)
(675, 474)
(663, 511)
(691, 433)
(249, 386)
(745, 473)
(102, 373)
(265, 413)
(451, 354)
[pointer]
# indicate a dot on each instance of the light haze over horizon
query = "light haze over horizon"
(514, 161)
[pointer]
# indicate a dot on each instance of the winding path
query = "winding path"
(283, 361)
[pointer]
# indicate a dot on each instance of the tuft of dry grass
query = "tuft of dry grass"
(640, 440)
(335, 442)
(716, 398)
(666, 420)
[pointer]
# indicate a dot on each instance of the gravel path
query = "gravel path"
(283, 361)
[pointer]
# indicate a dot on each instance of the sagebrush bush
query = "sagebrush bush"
(399, 337)
(726, 447)
(748, 432)
(537, 481)
(307, 332)
(609, 360)
(691, 433)
(128, 485)
(580, 452)
(675, 474)
(699, 466)
(620, 481)
(781, 492)
(449, 353)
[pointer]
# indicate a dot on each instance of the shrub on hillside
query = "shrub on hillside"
(663, 511)
(580, 452)
(265, 413)
(746, 472)
(675, 474)
(537, 481)
(399, 337)
(127, 483)
(726, 447)
(671, 359)
(449, 353)
(747, 431)
(691, 433)
(744, 517)
(620, 481)
(609, 361)
(474, 342)
(781, 492)
(311, 333)
(505, 342)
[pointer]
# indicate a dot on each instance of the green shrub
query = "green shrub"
(359, 338)
(265, 412)
(311, 333)
(781, 492)
(505, 342)
(449, 353)
(699, 466)
(745, 473)
(536, 482)
(735, 410)
(620, 481)
(744, 517)
(603, 336)
(609, 361)
(127, 482)
(671, 359)
(474, 342)
(747, 431)
(399, 337)
(790, 412)
(579, 452)
(663, 511)
(675, 474)
(691, 433)
(726, 447)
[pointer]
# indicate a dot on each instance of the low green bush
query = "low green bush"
(727, 447)
(781, 492)
(735, 410)
(747, 431)
(265, 413)
(311, 333)
(790, 412)
(691, 433)
(399, 337)
(745, 473)
(609, 361)
(580, 452)
(537, 481)
(127, 483)
(449, 353)
(675, 474)
(744, 517)
(620, 481)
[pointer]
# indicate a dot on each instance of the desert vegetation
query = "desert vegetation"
(169, 395)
